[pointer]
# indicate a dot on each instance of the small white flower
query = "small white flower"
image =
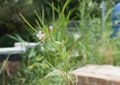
(40, 35)
(50, 27)
(76, 36)
(90, 4)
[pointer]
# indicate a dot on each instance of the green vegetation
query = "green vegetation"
(62, 50)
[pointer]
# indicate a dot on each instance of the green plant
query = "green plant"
(57, 47)
(60, 51)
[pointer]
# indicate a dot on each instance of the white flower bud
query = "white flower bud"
(50, 27)
(40, 35)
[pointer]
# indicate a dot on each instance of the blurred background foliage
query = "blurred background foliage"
(11, 23)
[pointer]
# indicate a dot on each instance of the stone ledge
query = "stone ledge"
(98, 75)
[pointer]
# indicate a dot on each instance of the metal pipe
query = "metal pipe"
(103, 10)
(26, 44)
(13, 50)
